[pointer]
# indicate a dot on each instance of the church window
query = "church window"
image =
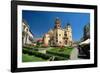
(59, 34)
(56, 40)
(27, 29)
(65, 34)
(24, 26)
(60, 42)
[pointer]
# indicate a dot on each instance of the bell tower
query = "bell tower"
(68, 34)
(57, 23)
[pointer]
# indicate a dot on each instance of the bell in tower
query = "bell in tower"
(68, 34)
(57, 23)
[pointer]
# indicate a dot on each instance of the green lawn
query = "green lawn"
(65, 52)
(30, 58)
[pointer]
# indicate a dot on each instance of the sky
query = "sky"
(40, 22)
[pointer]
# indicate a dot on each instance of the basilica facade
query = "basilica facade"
(58, 36)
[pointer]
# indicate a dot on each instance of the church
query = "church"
(58, 36)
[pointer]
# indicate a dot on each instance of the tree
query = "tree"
(86, 31)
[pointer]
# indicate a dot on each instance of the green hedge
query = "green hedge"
(64, 52)
(28, 47)
(31, 48)
(58, 57)
(44, 56)
(58, 54)
(38, 54)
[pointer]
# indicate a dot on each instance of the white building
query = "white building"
(27, 36)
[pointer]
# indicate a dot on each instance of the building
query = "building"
(58, 36)
(27, 36)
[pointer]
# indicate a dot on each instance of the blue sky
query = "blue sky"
(41, 22)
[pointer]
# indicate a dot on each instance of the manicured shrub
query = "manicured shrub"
(49, 54)
(36, 49)
(28, 47)
(57, 51)
(44, 56)
(60, 58)
(38, 54)
(58, 54)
